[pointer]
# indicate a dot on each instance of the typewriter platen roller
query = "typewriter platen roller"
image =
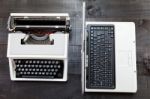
(38, 38)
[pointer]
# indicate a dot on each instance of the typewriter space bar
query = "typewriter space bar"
(47, 77)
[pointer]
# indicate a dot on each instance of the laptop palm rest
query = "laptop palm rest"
(124, 57)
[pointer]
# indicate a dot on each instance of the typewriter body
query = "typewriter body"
(38, 46)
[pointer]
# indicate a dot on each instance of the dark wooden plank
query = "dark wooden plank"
(46, 90)
(118, 8)
(137, 11)
(5, 87)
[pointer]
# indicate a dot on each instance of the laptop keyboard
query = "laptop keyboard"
(39, 68)
(101, 57)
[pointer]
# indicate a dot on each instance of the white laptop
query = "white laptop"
(108, 57)
(38, 46)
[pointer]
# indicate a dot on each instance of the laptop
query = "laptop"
(108, 57)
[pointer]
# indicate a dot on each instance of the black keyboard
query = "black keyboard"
(101, 57)
(39, 68)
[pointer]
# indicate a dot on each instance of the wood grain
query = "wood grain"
(137, 11)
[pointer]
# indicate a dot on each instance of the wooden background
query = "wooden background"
(137, 11)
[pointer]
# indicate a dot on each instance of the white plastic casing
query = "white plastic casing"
(58, 51)
(125, 58)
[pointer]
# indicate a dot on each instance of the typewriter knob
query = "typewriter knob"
(58, 66)
(49, 62)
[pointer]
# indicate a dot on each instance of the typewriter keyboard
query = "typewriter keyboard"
(39, 68)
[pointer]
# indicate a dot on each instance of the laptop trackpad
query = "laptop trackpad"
(124, 58)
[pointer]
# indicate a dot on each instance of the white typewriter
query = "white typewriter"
(38, 46)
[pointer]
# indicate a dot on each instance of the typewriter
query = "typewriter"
(38, 46)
